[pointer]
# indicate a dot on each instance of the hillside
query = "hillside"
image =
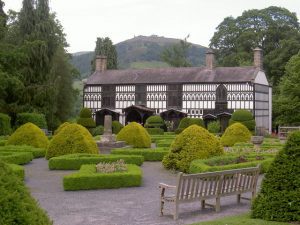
(140, 52)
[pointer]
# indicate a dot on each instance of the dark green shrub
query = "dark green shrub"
(19, 158)
(74, 138)
(136, 135)
(75, 161)
(5, 127)
(29, 134)
(179, 130)
(279, 198)
(36, 118)
(99, 130)
(155, 131)
(214, 127)
(116, 127)
(186, 122)
(85, 118)
(87, 178)
(154, 122)
(149, 154)
(236, 132)
(17, 206)
(62, 126)
(193, 143)
(36, 152)
(244, 117)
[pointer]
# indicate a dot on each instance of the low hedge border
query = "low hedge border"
(36, 152)
(155, 138)
(201, 166)
(18, 170)
(19, 158)
(3, 142)
(149, 154)
(164, 143)
(87, 178)
(155, 131)
(75, 161)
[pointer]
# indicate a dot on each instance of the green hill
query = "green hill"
(139, 52)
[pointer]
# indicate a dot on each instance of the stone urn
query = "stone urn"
(257, 140)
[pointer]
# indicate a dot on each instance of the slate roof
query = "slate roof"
(174, 75)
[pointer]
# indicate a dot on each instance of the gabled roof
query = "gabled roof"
(175, 75)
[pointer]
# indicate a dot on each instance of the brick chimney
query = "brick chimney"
(210, 59)
(101, 63)
(258, 58)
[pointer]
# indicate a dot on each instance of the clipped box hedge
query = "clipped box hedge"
(75, 161)
(155, 131)
(201, 166)
(164, 143)
(36, 152)
(155, 138)
(18, 170)
(87, 178)
(19, 158)
(150, 154)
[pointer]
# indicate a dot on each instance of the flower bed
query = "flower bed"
(87, 178)
(36, 152)
(75, 161)
(19, 158)
(231, 162)
(149, 154)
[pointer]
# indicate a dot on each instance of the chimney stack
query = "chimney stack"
(258, 58)
(210, 59)
(101, 63)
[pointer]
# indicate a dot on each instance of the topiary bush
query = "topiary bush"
(194, 142)
(29, 134)
(17, 206)
(36, 118)
(149, 154)
(154, 122)
(5, 127)
(136, 135)
(85, 118)
(99, 130)
(244, 117)
(237, 132)
(74, 138)
(155, 131)
(214, 127)
(279, 198)
(116, 127)
(62, 126)
(186, 122)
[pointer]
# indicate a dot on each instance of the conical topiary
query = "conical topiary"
(194, 142)
(85, 118)
(244, 117)
(279, 198)
(136, 135)
(63, 125)
(236, 132)
(73, 138)
(29, 134)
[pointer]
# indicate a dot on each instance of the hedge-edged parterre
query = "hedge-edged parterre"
(19, 158)
(88, 178)
(36, 152)
(29, 134)
(73, 138)
(149, 154)
(75, 161)
(230, 162)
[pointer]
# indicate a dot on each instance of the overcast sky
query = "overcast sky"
(84, 21)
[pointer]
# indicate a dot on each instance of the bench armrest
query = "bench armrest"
(162, 185)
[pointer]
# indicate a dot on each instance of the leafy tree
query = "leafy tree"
(287, 102)
(3, 19)
(274, 29)
(104, 46)
(27, 18)
(176, 55)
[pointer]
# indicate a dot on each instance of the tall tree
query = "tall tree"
(176, 55)
(274, 29)
(27, 18)
(3, 18)
(104, 46)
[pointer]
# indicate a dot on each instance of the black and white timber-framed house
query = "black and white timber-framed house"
(206, 92)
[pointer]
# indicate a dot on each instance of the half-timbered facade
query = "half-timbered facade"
(206, 91)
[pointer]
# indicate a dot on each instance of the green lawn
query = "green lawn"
(243, 219)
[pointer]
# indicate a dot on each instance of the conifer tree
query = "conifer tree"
(104, 46)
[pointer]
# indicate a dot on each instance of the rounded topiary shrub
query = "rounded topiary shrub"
(116, 127)
(279, 197)
(17, 206)
(154, 122)
(85, 118)
(36, 118)
(136, 135)
(29, 134)
(244, 117)
(63, 125)
(214, 127)
(237, 132)
(186, 122)
(5, 127)
(194, 142)
(99, 130)
(74, 138)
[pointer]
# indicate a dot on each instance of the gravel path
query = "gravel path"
(125, 206)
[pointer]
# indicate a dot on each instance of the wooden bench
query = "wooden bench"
(213, 185)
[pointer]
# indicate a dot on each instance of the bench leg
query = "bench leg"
(238, 198)
(176, 211)
(218, 204)
(202, 204)
(162, 207)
